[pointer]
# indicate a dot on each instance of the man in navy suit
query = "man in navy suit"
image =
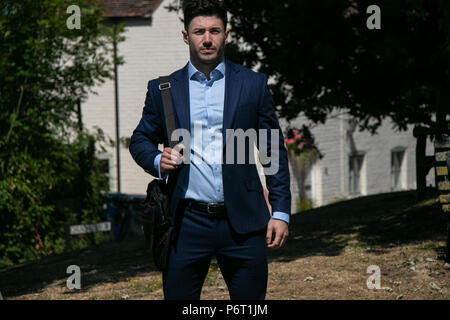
(217, 201)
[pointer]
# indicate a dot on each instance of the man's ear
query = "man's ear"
(226, 34)
(185, 36)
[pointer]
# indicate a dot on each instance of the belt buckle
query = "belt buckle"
(209, 205)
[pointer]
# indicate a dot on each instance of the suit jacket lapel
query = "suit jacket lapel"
(233, 85)
(180, 98)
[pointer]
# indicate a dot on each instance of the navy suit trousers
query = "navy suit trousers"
(242, 259)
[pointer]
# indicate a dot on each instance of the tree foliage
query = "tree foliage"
(48, 171)
(323, 57)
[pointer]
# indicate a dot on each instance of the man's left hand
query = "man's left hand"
(278, 231)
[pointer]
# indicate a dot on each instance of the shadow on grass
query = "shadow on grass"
(378, 221)
(108, 262)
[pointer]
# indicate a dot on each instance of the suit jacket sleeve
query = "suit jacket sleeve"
(148, 134)
(278, 184)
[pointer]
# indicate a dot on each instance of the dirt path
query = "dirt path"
(326, 257)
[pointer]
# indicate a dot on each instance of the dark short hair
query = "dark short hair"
(195, 8)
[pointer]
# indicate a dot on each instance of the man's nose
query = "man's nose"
(207, 39)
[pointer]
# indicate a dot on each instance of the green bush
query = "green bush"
(304, 204)
(49, 175)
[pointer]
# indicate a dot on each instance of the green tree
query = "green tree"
(48, 170)
(324, 57)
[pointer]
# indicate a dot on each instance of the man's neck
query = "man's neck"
(205, 68)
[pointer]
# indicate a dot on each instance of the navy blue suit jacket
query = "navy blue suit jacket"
(248, 105)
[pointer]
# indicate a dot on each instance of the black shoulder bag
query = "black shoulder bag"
(157, 223)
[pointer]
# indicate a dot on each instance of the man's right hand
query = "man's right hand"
(171, 159)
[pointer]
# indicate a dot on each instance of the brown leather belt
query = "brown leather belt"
(212, 209)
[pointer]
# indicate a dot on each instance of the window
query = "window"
(396, 169)
(103, 163)
(103, 166)
(308, 183)
(355, 165)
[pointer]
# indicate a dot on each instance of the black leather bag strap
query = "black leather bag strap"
(169, 117)
(164, 87)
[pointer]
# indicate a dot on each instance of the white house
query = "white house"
(355, 163)
(153, 47)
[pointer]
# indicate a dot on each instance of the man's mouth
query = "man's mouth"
(207, 50)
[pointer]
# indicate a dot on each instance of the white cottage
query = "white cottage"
(357, 163)
(153, 47)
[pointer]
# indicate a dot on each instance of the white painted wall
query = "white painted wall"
(149, 51)
(336, 145)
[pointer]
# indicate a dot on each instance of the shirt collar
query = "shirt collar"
(192, 71)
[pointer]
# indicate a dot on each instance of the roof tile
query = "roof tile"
(128, 8)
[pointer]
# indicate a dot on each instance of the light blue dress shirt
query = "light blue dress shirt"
(206, 99)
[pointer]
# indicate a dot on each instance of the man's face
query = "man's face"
(206, 38)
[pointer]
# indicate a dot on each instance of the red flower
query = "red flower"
(289, 141)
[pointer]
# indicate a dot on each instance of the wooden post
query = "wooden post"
(447, 210)
(423, 163)
(68, 246)
(442, 173)
(116, 99)
(420, 155)
(447, 252)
